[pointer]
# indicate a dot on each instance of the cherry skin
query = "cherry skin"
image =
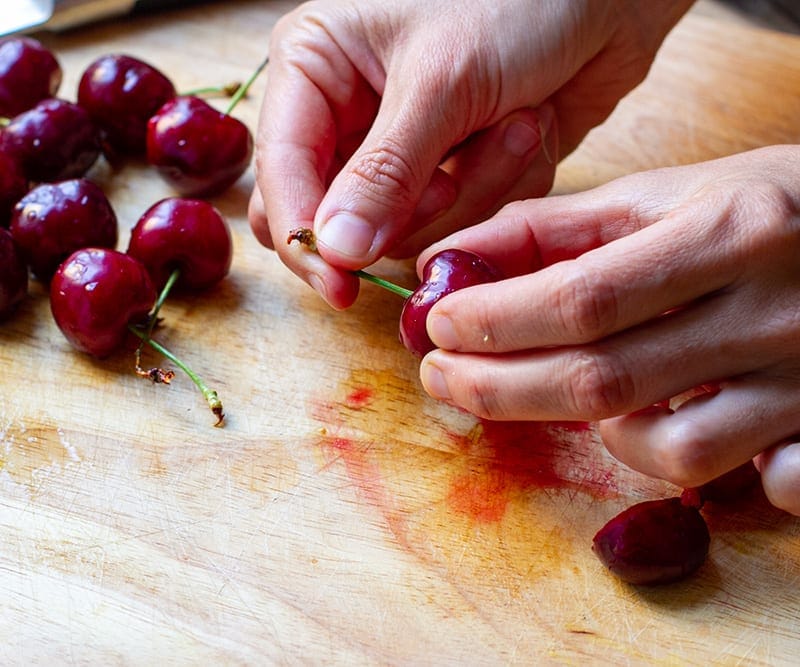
(53, 141)
(734, 485)
(198, 150)
(185, 234)
(121, 93)
(55, 219)
(13, 186)
(29, 73)
(445, 272)
(95, 294)
(13, 275)
(654, 542)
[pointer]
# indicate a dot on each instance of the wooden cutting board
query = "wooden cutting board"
(341, 516)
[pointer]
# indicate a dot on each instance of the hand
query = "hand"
(621, 298)
(388, 124)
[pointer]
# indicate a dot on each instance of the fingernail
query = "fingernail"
(348, 235)
(520, 138)
(434, 381)
(545, 114)
(442, 332)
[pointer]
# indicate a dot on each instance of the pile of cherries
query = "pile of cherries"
(58, 225)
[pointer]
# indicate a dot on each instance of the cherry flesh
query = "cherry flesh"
(185, 234)
(121, 93)
(197, 149)
(53, 141)
(95, 294)
(13, 186)
(13, 275)
(55, 219)
(29, 73)
(654, 542)
(445, 272)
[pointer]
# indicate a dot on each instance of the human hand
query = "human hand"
(659, 284)
(388, 124)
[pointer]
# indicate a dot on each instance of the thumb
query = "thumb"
(394, 172)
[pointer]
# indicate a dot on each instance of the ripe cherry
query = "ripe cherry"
(55, 219)
(13, 275)
(734, 485)
(53, 141)
(13, 186)
(185, 234)
(121, 93)
(198, 150)
(95, 294)
(654, 542)
(29, 72)
(445, 272)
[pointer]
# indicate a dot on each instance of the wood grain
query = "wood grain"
(341, 516)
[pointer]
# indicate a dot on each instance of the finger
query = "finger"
(615, 375)
(513, 159)
(370, 203)
(257, 216)
(780, 475)
(638, 277)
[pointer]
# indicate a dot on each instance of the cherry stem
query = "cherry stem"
(211, 396)
(4, 121)
(226, 91)
(386, 284)
(242, 91)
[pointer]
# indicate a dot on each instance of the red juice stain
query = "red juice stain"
(360, 397)
(507, 458)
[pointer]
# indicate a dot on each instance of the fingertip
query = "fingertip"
(780, 476)
(257, 217)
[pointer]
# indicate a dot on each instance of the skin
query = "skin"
(388, 126)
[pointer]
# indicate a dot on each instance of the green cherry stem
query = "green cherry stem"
(211, 396)
(242, 91)
(386, 284)
(224, 91)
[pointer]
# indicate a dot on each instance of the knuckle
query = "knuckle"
(385, 170)
(586, 305)
(599, 386)
(483, 399)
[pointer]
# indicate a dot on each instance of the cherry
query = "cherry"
(95, 294)
(198, 150)
(13, 275)
(13, 186)
(55, 219)
(654, 542)
(185, 234)
(29, 72)
(121, 93)
(54, 140)
(733, 485)
(445, 272)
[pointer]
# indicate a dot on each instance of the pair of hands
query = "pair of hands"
(387, 127)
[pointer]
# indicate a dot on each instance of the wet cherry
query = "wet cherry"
(197, 149)
(445, 272)
(29, 72)
(55, 219)
(13, 186)
(54, 140)
(185, 234)
(95, 294)
(654, 542)
(13, 275)
(121, 93)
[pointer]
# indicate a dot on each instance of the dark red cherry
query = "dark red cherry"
(13, 186)
(55, 219)
(445, 272)
(13, 275)
(29, 72)
(121, 93)
(734, 485)
(198, 150)
(54, 140)
(95, 294)
(186, 234)
(654, 542)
